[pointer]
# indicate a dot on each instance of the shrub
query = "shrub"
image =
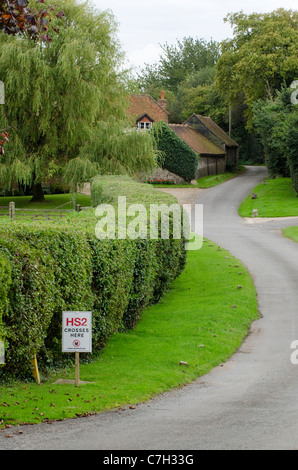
(96, 192)
(113, 263)
(291, 140)
(31, 302)
(176, 155)
(143, 282)
(5, 281)
(58, 266)
(70, 257)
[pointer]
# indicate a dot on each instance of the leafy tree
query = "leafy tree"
(276, 121)
(178, 62)
(59, 92)
(16, 17)
(291, 140)
(260, 57)
(198, 94)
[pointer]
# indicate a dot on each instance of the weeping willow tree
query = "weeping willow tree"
(66, 101)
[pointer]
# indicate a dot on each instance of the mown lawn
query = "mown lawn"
(202, 320)
(51, 201)
(276, 198)
(215, 180)
(292, 233)
(206, 181)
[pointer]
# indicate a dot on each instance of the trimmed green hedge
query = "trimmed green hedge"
(5, 282)
(49, 267)
(30, 301)
(96, 192)
(176, 155)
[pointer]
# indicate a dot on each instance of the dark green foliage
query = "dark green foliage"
(63, 266)
(5, 281)
(96, 192)
(176, 155)
(31, 302)
(113, 264)
(144, 280)
(292, 145)
(269, 119)
(276, 123)
(71, 263)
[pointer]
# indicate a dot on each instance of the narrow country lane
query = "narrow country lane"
(249, 403)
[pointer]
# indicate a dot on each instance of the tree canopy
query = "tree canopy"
(261, 56)
(178, 61)
(58, 94)
(276, 122)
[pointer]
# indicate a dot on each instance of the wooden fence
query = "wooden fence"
(30, 214)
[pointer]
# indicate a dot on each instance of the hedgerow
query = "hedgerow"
(175, 155)
(49, 267)
(31, 302)
(5, 281)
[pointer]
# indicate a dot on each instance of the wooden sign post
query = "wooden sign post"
(77, 336)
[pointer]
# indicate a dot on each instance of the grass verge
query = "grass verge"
(276, 198)
(292, 233)
(51, 201)
(202, 320)
(215, 180)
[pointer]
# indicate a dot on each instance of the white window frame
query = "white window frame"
(144, 125)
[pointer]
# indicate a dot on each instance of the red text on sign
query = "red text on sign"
(76, 321)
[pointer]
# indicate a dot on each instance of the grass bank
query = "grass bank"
(51, 201)
(292, 233)
(215, 180)
(206, 181)
(276, 198)
(202, 320)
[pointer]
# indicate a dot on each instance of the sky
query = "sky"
(146, 24)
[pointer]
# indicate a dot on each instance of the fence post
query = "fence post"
(12, 210)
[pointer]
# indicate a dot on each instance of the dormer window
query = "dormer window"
(145, 123)
(144, 126)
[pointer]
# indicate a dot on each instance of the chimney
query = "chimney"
(162, 102)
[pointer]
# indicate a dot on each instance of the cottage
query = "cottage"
(214, 146)
(146, 111)
(209, 129)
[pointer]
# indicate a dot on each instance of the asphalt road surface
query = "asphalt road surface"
(249, 403)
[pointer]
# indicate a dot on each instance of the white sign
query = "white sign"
(77, 332)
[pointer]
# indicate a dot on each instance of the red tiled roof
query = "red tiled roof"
(196, 141)
(145, 104)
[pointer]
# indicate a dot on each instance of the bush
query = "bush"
(5, 281)
(31, 302)
(113, 263)
(58, 266)
(269, 119)
(96, 192)
(69, 253)
(143, 282)
(291, 140)
(176, 155)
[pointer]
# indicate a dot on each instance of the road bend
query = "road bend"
(251, 402)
